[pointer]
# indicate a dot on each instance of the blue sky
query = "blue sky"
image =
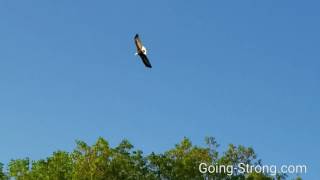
(245, 72)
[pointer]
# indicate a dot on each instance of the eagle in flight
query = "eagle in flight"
(141, 51)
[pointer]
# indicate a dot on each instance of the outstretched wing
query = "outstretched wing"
(145, 60)
(138, 43)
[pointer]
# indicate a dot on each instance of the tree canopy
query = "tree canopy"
(123, 162)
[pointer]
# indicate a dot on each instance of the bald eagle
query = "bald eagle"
(141, 51)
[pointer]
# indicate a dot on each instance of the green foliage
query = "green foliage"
(20, 169)
(182, 162)
(123, 162)
(2, 174)
(57, 167)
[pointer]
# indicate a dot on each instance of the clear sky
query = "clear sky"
(246, 72)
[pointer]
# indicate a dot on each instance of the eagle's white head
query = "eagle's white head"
(143, 49)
